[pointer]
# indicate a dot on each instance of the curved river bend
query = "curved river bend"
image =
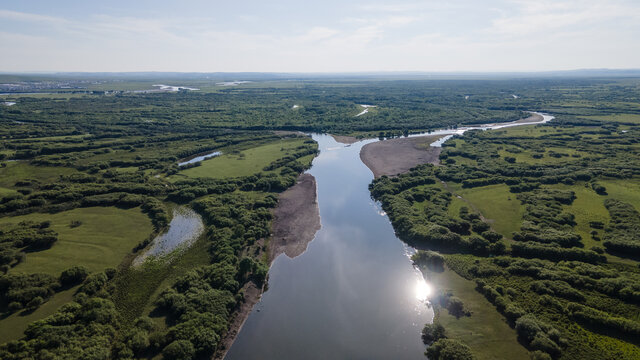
(354, 293)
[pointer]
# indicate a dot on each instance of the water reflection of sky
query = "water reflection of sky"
(200, 158)
(185, 227)
(354, 293)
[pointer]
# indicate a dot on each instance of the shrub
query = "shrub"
(93, 283)
(430, 259)
(557, 288)
(456, 307)
(433, 332)
(545, 344)
(513, 312)
(480, 226)
(179, 350)
(15, 306)
(599, 189)
(75, 223)
(449, 349)
(34, 303)
(604, 321)
(537, 335)
(74, 275)
(539, 355)
(491, 235)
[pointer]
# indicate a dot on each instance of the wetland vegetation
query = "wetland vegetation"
(537, 226)
(525, 216)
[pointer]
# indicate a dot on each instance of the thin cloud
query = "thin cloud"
(28, 17)
(549, 16)
(428, 36)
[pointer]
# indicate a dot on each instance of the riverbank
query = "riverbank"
(395, 156)
(345, 139)
(534, 118)
(295, 222)
(296, 219)
(331, 294)
(486, 331)
(252, 295)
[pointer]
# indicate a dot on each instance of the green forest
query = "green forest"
(542, 222)
(538, 224)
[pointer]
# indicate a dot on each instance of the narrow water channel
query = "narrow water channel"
(354, 293)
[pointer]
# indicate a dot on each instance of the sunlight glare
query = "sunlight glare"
(423, 290)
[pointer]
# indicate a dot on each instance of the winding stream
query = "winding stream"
(461, 130)
(354, 293)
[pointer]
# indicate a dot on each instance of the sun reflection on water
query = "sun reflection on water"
(423, 290)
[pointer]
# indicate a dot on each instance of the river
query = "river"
(496, 126)
(354, 293)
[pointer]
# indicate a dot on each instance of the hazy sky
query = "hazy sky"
(323, 36)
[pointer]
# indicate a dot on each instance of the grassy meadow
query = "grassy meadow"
(243, 162)
(16, 171)
(486, 331)
(496, 203)
(105, 236)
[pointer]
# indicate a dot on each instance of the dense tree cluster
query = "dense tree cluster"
(449, 349)
(26, 237)
(83, 329)
(622, 236)
(542, 278)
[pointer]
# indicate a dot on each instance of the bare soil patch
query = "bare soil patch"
(396, 156)
(296, 219)
(530, 119)
(345, 139)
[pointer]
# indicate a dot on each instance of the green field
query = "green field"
(18, 171)
(503, 210)
(486, 332)
(105, 237)
(6, 192)
(623, 118)
(627, 190)
(588, 206)
(243, 163)
(527, 156)
(497, 204)
(536, 131)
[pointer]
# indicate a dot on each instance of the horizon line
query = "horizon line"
(425, 72)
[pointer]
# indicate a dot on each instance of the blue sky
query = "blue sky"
(319, 36)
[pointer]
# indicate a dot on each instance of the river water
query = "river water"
(354, 293)
(461, 130)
